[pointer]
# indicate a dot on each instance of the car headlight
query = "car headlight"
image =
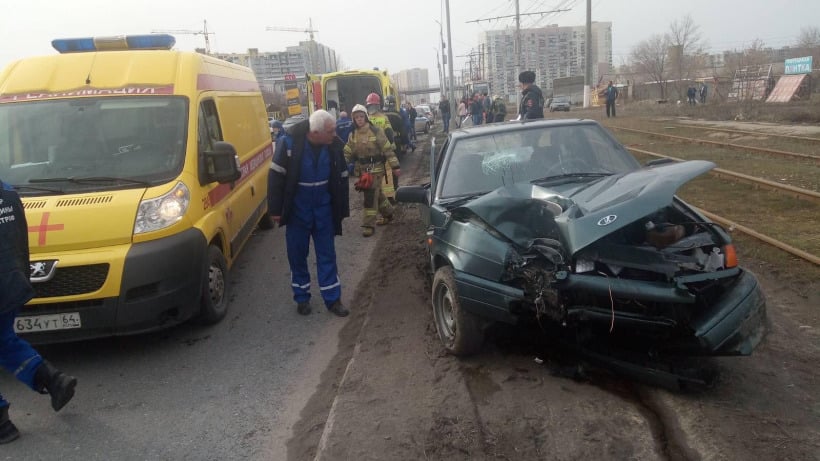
(584, 265)
(161, 212)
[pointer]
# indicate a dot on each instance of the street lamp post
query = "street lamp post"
(443, 62)
(451, 88)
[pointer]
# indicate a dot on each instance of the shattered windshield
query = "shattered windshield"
(485, 162)
(85, 144)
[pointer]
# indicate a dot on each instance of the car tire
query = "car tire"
(460, 331)
(214, 300)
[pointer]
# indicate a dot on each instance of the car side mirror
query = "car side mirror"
(413, 194)
(222, 163)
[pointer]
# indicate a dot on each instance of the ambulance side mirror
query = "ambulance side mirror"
(222, 163)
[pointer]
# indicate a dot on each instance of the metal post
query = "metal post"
(517, 54)
(588, 60)
(451, 89)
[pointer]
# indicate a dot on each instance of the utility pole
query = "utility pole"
(442, 83)
(588, 59)
(517, 53)
(451, 89)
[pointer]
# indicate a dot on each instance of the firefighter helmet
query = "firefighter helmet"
(373, 98)
(358, 108)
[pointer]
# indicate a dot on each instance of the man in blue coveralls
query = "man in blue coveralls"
(308, 192)
(16, 355)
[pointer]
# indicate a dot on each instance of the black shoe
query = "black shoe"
(8, 431)
(303, 308)
(337, 308)
(51, 381)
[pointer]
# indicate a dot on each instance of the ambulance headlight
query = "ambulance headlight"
(158, 213)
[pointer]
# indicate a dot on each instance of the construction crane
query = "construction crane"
(310, 30)
(204, 32)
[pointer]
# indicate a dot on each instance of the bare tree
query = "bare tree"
(687, 50)
(809, 37)
(649, 58)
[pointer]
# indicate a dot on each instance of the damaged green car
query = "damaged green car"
(555, 220)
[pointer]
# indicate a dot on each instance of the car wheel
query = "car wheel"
(460, 331)
(214, 302)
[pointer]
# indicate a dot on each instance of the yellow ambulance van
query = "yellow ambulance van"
(143, 171)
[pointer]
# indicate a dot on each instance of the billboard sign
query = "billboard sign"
(292, 95)
(799, 65)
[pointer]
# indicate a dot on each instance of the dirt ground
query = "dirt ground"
(394, 394)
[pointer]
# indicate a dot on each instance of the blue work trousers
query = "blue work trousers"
(16, 354)
(302, 226)
(445, 118)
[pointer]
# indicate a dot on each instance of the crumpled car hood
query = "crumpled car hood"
(580, 212)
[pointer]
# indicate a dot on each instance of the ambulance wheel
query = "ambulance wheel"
(214, 304)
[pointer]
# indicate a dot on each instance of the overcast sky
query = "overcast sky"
(389, 34)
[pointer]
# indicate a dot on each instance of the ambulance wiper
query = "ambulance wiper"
(22, 187)
(91, 180)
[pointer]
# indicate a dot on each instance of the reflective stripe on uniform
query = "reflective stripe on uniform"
(313, 184)
(278, 168)
(304, 287)
(337, 284)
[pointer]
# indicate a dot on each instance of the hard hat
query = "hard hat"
(276, 124)
(373, 98)
(358, 108)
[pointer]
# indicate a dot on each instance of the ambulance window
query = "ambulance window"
(209, 129)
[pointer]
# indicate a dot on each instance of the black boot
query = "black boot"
(60, 386)
(8, 431)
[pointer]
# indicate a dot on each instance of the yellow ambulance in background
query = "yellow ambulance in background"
(143, 172)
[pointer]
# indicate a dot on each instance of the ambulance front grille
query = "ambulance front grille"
(74, 280)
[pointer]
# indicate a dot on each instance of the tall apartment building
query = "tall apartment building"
(551, 51)
(412, 79)
(271, 67)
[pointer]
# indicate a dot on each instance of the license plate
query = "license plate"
(47, 322)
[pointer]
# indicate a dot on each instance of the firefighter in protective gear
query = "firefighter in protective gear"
(382, 120)
(369, 150)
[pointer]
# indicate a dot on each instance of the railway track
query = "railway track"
(773, 152)
(757, 182)
(748, 132)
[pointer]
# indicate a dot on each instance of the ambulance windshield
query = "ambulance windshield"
(131, 140)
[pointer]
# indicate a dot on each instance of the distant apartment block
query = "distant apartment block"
(271, 67)
(412, 79)
(551, 51)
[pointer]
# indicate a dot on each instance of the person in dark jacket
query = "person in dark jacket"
(16, 354)
(611, 95)
(532, 98)
(308, 192)
(344, 126)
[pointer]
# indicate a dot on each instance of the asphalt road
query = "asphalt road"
(226, 392)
